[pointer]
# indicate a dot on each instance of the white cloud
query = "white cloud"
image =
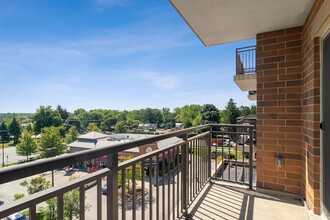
(112, 3)
(162, 81)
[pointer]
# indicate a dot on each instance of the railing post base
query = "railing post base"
(187, 216)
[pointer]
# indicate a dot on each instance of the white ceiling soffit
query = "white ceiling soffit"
(222, 21)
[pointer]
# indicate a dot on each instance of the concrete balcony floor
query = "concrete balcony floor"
(225, 201)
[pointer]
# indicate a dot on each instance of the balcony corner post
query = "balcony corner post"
(112, 187)
(251, 159)
(185, 176)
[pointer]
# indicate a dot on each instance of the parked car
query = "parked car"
(89, 185)
(229, 143)
(16, 216)
(104, 189)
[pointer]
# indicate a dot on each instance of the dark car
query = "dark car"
(89, 185)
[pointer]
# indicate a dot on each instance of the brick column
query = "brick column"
(279, 110)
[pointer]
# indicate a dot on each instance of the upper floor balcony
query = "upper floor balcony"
(252, 95)
(181, 180)
(246, 77)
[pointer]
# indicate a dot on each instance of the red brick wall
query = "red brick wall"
(311, 112)
(288, 109)
(279, 108)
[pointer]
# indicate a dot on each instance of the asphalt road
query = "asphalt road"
(10, 155)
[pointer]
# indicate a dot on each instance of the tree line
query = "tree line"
(58, 126)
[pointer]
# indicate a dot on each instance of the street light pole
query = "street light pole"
(52, 149)
(3, 152)
(3, 146)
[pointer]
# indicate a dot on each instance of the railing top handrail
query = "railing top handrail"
(11, 173)
(246, 48)
(231, 125)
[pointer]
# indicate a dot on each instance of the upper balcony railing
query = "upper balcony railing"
(246, 60)
(164, 182)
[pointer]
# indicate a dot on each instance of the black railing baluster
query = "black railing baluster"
(134, 191)
(150, 188)
(112, 187)
(82, 202)
(157, 186)
(123, 193)
(60, 206)
(163, 185)
(143, 189)
(32, 212)
(168, 184)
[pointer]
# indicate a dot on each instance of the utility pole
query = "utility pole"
(3, 133)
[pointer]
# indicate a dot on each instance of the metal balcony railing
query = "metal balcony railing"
(246, 60)
(164, 182)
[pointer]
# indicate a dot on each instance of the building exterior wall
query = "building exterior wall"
(279, 108)
(311, 110)
(288, 107)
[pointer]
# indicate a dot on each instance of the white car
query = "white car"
(228, 143)
(16, 216)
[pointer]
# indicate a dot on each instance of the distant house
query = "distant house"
(88, 141)
(22, 117)
(94, 140)
(178, 125)
(147, 126)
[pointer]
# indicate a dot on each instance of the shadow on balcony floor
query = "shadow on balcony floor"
(223, 201)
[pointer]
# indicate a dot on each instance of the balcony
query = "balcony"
(209, 174)
(246, 77)
(252, 95)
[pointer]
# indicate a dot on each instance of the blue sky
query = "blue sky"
(110, 54)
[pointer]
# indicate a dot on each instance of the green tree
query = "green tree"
(72, 135)
(131, 124)
(15, 130)
(36, 184)
(93, 127)
(150, 115)
(27, 146)
(189, 115)
(129, 172)
(45, 116)
(73, 121)
(63, 112)
(245, 111)
(79, 111)
(108, 122)
(51, 142)
(120, 127)
(4, 132)
(29, 128)
(168, 118)
(253, 110)
(71, 206)
(209, 114)
(230, 113)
